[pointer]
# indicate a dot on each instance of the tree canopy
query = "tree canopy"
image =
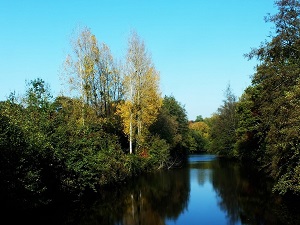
(266, 127)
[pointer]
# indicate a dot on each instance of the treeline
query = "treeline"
(263, 125)
(113, 126)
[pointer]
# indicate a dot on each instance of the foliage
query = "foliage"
(277, 79)
(90, 71)
(142, 96)
(172, 126)
(249, 145)
(25, 147)
(47, 153)
(198, 137)
(159, 153)
(62, 149)
(223, 127)
(264, 127)
(199, 119)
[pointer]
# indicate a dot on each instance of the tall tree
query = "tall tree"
(92, 72)
(107, 87)
(142, 95)
(224, 126)
(250, 141)
(277, 79)
(80, 63)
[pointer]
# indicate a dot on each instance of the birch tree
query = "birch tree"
(108, 85)
(142, 94)
(93, 74)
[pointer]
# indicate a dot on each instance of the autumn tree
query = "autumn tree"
(142, 95)
(107, 88)
(92, 73)
(199, 134)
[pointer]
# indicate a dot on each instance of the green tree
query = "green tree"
(172, 126)
(277, 79)
(250, 141)
(25, 144)
(224, 125)
(199, 119)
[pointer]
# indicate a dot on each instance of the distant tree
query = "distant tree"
(199, 119)
(224, 126)
(199, 135)
(38, 94)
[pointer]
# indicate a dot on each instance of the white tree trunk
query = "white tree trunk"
(130, 134)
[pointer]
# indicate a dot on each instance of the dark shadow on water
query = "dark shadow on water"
(241, 193)
(246, 196)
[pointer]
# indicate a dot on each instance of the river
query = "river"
(207, 191)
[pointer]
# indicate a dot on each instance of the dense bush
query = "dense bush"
(62, 149)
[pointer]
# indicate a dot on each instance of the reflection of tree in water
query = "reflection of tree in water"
(202, 176)
(225, 184)
(147, 200)
(159, 196)
(245, 195)
(204, 171)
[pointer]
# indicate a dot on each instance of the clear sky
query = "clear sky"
(197, 45)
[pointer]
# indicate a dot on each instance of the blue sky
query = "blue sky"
(197, 45)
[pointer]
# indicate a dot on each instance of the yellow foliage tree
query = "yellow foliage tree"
(200, 127)
(92, 73)
(142, 95)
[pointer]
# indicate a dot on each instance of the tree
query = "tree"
(250, 142)
(107, 88)
(224, 126)
(25, 145)
(199, 132)
(92, 73)
(199, 119)
(142, 95)
(38, 94)
(277, 79)
(80, 64)
(172, 126)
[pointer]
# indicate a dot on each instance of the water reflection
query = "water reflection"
(208, 191)
(148, 200)
(246, 197)
(243, 195)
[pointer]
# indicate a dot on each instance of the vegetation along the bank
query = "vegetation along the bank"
(263, 126)
(114, 125)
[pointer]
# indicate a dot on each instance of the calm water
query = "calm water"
(207, 191)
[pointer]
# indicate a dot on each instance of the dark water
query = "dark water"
(207, 191)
